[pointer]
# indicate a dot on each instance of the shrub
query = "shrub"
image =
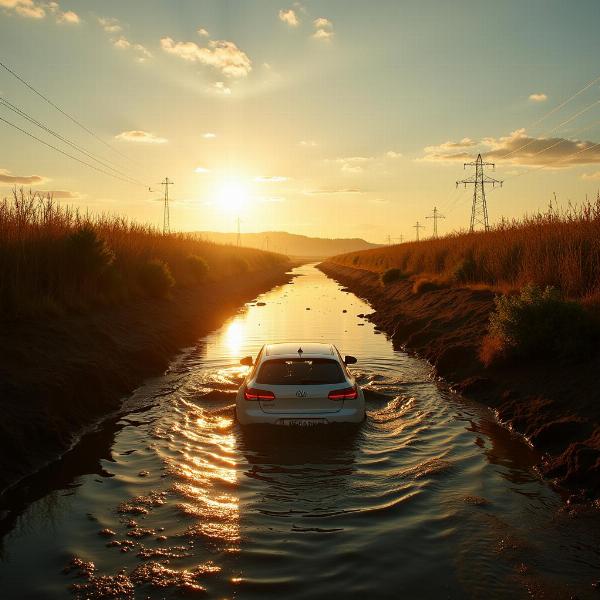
(391, 276)
(465, 270)
(88, 255)
(424, 284)
(198, 267)
(155, 278)
(539, 323)
(356, 260)
(239, 265)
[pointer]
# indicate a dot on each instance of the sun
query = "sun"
(232, 195)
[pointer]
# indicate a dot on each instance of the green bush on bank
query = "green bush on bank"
(539, 323)
(391, 276)
(155, 278)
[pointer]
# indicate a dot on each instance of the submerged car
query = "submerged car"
(299, 384)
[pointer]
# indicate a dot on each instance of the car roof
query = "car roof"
(313, 349)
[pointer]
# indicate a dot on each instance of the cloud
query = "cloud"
(393, 154)
(323, 29)
(379, 201)
(124, 44)
(144, 137)
(5, 177)
(24, 8)
(539, 97)
(203, 32)
(591, 176)
(270, 179)
(201, 170)
(307, 143)
(519, 148)
(209, 135)
(222, 55)
(61, 194)
(328, 191)
(220, 88)
(353, 164)
(270, 199)
(110, 24)
(289, 16)
(68, 17)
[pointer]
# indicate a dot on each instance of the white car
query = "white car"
(299, 384)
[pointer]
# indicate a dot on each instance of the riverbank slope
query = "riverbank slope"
(58, 376)
(554, 404)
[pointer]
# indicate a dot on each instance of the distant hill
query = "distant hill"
(290, 243)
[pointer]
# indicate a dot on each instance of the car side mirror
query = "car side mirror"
(349, 360)
(247, 361)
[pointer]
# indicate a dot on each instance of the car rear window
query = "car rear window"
(300, 371)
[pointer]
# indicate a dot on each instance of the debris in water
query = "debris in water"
(106, 532)
(476, 500)
(144, 473)
(261, 304)
(307, 308)
(344, 311)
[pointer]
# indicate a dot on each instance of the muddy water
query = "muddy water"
(429, 498)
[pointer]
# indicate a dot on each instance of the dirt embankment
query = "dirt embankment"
(57, 376)
(555, 405)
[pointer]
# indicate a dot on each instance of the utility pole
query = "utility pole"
(417, 227)
(239, 235)
(435, 216)
(479, 212)
(390, 239)
(166, 216)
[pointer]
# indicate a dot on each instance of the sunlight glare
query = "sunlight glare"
(232, 195)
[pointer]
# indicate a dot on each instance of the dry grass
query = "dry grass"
(54, 258)
(556, 249)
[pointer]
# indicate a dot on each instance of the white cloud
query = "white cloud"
(68, 17)
(220, 88)
(270, 179)
(323, 29)
(307, 143)
(141, 51)
(353, 164)
(203, 32)
(61, 194)
(289, 16)
(6, 177)
(144, 137)
(592, 176)
(393, 154)
(539, 97)
(222, 55)
(209, 135)
(201, 170)
(519, 148)
(110, 24)
(24, 8)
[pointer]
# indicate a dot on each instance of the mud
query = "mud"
(555, 405)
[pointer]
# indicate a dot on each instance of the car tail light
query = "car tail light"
(345, 394)
(254, 394)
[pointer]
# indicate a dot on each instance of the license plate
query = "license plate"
(303, 422)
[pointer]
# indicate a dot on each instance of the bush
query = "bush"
(424, 284)
(391, 276)
(539, 323)
(356, 260)
(88, 255)
(156, 279)
(239, 265)
(465, 270)
(198, 267)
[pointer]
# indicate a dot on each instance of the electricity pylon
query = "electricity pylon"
(400, 238)
(417, 227)
(479, 212)
(166, 216)
(435, 216)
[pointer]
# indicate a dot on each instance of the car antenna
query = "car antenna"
(300, 351)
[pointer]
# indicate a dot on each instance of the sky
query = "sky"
(333, 118)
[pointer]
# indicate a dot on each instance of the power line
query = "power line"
(60, 110)
(435, 216)
(417, 227)
(73, 145)
(83, 162)
(166, 215)
(479, 212)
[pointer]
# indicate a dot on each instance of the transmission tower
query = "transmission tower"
(479, 212)
(390, 239)
(417, 227)
(166, 216)
(435, 216)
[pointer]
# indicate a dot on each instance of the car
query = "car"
(300, 384)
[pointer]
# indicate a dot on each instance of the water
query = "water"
(429, 498)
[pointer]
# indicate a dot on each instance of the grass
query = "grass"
(558, 249)
(55, 259)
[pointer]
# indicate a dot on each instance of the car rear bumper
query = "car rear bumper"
(250, 415)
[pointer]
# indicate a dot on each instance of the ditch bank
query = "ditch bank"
(59, 376)
(555, 405)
